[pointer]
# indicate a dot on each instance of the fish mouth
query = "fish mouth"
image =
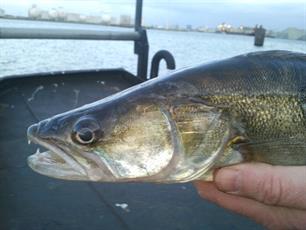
(54, 162)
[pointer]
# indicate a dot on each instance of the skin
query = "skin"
(274, 196)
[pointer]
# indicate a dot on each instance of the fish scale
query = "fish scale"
(269, 116)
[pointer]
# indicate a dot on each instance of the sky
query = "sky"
(272, 14)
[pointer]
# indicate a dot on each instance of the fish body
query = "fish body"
(181, 127)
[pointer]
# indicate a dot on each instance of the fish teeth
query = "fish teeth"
(29, 142)
(37, 151)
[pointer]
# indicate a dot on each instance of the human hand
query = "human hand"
(274, 196)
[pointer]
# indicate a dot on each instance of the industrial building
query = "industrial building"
(125, 20)
(2, 12)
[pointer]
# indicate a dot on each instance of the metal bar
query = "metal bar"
(138, 15)
(141, 46)
(44, 33)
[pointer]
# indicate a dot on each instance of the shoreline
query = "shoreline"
(268, 35)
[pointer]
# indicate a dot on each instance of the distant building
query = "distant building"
(2, 13)
(94, 19)
(189, 27)
(34, 12)
(72, 17)
(202, 29)
(247, 29)
(211, 30)
(106, 19)
(44, 15)
(113, 21)
(61, 14)
(53, 14)
(83, 18)
(174, 27)
(125, 20)
(224, 27)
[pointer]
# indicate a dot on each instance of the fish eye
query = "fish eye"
(86, 131)
(85, 136)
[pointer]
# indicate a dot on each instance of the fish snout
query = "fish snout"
(43, 129)
(32, 130)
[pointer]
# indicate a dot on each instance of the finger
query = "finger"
(273, 185)
(241, 205)
(270, 216)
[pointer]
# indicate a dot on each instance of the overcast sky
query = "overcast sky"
(273, 14)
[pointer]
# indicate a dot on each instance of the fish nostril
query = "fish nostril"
(47, 128)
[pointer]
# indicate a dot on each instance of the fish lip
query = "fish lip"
(75, 166)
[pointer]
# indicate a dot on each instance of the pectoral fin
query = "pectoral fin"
(230, 156)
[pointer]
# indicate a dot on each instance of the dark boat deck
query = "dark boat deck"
(34, 202)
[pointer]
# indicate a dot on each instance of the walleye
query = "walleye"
(181, 127)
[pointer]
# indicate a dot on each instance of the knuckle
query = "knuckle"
(271, 190)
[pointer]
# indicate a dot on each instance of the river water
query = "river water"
(188, 48)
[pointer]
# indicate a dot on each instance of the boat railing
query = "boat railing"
(63, 33)
(139, 36)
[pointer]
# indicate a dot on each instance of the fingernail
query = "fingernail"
(228, 180)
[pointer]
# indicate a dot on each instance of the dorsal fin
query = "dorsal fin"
(281, 54)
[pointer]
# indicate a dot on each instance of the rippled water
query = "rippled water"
(188, 48)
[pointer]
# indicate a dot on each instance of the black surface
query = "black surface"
(31, 201)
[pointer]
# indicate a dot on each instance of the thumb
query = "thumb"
(273, 185)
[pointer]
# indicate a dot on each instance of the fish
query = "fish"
(183, 126)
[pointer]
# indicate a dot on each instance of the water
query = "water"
(188, 48)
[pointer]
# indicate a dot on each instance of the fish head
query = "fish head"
(103, 142)
(146, 136)
(69, 140)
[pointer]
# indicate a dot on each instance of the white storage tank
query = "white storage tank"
(34, 12)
